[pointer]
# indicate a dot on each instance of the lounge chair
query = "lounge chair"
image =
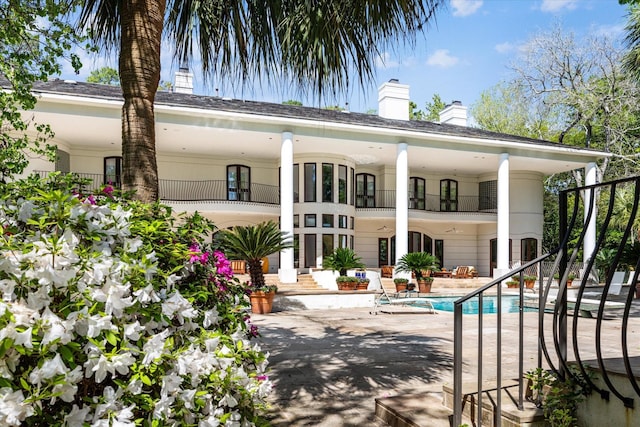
(614, 289)
(462, 272)
(384, 299)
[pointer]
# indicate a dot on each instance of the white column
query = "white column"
(402, 201)
(286, 272)
(502, 233)
(590, 178)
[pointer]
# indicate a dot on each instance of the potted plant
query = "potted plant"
(419, 264)
(570, 278)
(346, 283)
(401, 283)
(362, 284)
(262, 298)
(341, 260)
(530, 281)
(513, 283)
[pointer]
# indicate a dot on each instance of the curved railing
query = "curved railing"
(561, 344)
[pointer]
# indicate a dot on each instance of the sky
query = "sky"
(467, 50)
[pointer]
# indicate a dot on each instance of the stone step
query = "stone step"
(435, 409)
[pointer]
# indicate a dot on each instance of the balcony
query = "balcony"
(217, 190)
(193, 191)
(386, 199)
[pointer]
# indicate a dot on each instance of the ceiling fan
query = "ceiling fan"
(454, 230)
(383, 228)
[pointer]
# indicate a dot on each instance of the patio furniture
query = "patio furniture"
(461, 272)
(402, 299)
(238, 266)
(386, 271)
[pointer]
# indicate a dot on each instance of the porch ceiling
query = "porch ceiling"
(99, 126)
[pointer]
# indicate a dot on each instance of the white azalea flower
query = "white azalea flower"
(13, 409)
(132, 331)
(146, 295)
(154, 347)
(210, 421)
(211, 317)
(77, 416)
(50, 368)
(179, 307)
(55, 328)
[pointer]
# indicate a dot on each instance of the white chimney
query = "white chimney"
(393, 100)
(184, 81)
(454, 114)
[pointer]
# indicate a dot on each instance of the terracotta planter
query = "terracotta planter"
(347, 286)
(401, 287)
(362, 286)
(261, 302)
(530, 284)
(424, 286)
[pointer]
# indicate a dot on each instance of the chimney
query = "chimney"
(184, 81)
(454, 114)
(393, 100)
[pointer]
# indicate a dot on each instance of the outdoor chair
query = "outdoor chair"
(384, 299)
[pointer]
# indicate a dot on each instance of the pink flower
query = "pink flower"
(223, 265)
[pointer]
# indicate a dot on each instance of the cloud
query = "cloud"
(385, 62)
(556, 5)
(465, 7)
(441, 58)
(505, 47)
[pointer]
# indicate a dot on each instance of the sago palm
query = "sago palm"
(252, 243)
(313, 45)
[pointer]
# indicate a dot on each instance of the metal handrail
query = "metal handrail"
(564, 262)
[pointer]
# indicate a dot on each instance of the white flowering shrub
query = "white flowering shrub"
(114, 313)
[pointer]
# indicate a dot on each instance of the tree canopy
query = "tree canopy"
(34, 40)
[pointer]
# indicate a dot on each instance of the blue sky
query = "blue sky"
(466, 51)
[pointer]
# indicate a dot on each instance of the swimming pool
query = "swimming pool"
(510, 304)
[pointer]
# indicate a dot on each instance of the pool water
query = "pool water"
(510, 304)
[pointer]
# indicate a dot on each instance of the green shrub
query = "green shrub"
(116, 312)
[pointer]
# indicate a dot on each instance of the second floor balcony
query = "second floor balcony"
(221, 191)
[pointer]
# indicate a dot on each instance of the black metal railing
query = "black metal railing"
(560, 342)
(386, 199)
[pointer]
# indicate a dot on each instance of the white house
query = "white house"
(381, 184)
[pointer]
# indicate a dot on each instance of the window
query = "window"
(327, 245)
(342, 221)
(365, 190)
(238, 183)
(327, 220)
(63, 161)
(309, 220)
(296, 250)
(448, 195)
(296, 183)
(415, 241)
(310, 182)
(342, 240)
(528, 249)
(383, 251)
(416, 193)
(309, 250)
(296, 221)
(342, 184)
(353, 188)
(113, 171)
(427, 244)
(353, 223)
(439, 251)
(488, 200)
(327, 182)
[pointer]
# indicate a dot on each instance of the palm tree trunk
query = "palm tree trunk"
(255, 272)
(141, 25)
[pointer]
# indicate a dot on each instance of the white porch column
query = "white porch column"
(502, 233)
(286, 272)
(402, 201)
(590, 178)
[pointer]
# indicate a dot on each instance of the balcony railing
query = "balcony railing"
(386, 199)
(217, 190)
(193, 191)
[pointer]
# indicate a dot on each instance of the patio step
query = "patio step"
(433, 409)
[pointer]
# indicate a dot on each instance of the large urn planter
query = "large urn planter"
(262, 302)
(424, 286)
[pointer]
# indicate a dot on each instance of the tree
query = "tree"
(581, 83)
(313, 45)
(33, 41)
(252, 243)
(433, 110)
(504, 108)
(105, 76)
